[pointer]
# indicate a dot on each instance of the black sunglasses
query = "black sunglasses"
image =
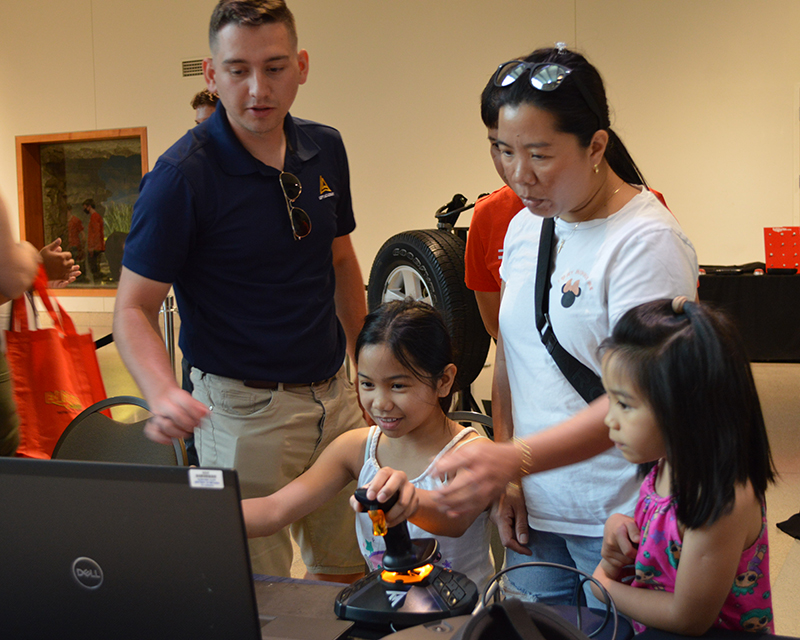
(544, 76)
(301, 223)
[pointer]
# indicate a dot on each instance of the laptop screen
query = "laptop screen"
(123, 551)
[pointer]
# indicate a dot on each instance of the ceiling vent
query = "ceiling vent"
(192, 68)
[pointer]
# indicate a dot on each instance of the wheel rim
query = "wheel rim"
(406, 282)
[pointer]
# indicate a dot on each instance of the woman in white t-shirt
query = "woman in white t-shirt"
(615, 246)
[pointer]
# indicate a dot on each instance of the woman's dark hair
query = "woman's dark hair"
(692, 369)
(417, 337)
(568, 106)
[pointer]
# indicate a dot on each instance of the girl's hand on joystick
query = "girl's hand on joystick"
(386, 483)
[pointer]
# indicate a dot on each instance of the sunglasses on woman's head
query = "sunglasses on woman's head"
(544, 76)
(301, 223)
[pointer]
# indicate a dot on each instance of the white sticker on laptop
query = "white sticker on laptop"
(206, 479)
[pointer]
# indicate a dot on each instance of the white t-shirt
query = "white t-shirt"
(604, 268)
(468, 554)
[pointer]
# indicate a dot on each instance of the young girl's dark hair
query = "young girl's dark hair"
(692, 369)
(570, 108)
(417, 337)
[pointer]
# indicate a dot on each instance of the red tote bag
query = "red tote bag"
(54, 372)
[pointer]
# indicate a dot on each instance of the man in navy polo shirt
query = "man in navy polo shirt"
(268, 308)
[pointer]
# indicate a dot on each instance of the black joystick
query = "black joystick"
(402, 553)
(410, 589)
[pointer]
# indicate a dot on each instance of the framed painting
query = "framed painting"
(81, 187)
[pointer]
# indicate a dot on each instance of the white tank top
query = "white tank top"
(468, 554)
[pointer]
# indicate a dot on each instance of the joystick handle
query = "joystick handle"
(374, 505)
(400, 554)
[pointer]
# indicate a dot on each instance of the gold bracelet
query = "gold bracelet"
(527, 460)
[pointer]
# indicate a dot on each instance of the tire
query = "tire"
(429, 266)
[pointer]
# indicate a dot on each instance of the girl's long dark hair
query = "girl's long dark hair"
(417, 337)
(568, 106)
(692, 369)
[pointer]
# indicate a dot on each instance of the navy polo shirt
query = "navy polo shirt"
(212, 220)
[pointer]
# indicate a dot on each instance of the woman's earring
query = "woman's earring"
(596, 169)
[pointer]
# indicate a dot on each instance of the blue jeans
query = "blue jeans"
(550, 585)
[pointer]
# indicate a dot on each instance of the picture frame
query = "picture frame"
(81, 187)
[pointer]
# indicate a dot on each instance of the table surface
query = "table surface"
(315, 599)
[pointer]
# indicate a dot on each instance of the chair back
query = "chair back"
(94, 436)
(485, 422)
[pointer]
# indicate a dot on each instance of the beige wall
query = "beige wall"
(705, 95)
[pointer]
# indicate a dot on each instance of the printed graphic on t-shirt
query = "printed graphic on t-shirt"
(324, 190)
(574, 283)
(569, 292)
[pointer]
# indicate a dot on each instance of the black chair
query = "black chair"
(93, 436)
(476, 418)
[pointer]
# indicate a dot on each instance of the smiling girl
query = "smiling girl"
(405, 383)
(683, 405)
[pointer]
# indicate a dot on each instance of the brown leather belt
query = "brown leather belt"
(268, 384)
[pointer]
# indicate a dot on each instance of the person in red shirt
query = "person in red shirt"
(96, 243)
(74, 231)
(487, 231)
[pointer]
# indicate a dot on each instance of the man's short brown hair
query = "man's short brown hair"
(250, 13)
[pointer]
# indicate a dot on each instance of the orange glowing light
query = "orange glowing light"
(409, 577)
(378, 518)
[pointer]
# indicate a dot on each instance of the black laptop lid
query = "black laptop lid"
(122, 551)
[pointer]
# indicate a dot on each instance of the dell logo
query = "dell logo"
(87, 573)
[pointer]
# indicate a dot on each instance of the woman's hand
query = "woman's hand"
(620, 541)
(511, 518)
(484, 469)
(383, 486)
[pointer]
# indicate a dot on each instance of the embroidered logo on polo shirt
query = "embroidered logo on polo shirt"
(324, 190)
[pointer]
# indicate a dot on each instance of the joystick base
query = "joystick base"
(377, 601)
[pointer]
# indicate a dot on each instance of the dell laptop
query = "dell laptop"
(122, 551)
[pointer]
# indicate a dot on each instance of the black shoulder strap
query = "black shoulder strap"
(585, 381)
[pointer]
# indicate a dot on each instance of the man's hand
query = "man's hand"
(176, 414)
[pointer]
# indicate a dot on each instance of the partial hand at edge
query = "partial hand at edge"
(482, 470)
(510, 516)
(176, 414)
(58, 264)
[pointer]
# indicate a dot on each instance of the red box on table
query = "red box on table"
(781, 247)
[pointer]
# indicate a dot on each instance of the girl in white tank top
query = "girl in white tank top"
(405, 380)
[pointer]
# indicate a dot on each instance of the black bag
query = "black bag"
(517, 620)
(513, 619)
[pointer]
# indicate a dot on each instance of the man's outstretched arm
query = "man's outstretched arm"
(139, 341)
